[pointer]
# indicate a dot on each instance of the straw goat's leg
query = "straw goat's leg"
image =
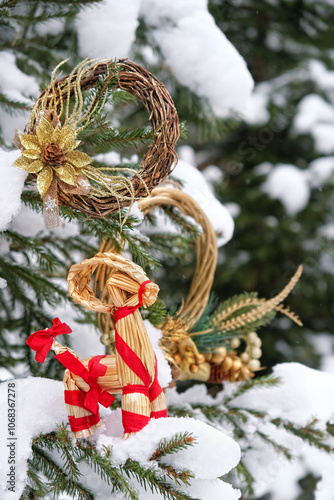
(136, 412)
(159, 407)
(82, 422)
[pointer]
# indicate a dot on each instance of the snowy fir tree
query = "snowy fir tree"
(248, 383)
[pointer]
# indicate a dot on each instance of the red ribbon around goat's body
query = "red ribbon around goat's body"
(134, 422)
(95, 369)
(41, 341)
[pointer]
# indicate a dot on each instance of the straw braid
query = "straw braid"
(132, 276)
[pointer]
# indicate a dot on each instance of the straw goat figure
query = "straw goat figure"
(132, 371)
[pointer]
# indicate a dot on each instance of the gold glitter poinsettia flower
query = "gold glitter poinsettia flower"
(51, 152)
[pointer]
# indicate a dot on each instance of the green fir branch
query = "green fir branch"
(175, 411)
(47, 261)
(277, 447)
(169, 446)
(191, 230)
(309, 433)
(330, 428)
(12, 106)
(100, 137)
(59, 482)
(149, 479)
(212, 412)
(19, 277)
(209, 342)
(246, 478)
(65, 478)
(37, 488)
(174, 246)
(264, 381)
(238, 431)
(113, 476)
(182, 477)
(156, 313)
(109, 227)
(204, 320)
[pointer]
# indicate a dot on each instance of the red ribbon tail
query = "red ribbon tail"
(106, 399)
(41, 343)
(91, 400)
(42, 353)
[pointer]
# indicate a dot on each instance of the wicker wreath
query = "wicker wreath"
(123, 74)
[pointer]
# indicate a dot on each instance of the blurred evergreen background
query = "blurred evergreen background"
(288, 47)
(273, 167)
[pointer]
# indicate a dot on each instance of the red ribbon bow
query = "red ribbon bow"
(41, 341)
(95, 394)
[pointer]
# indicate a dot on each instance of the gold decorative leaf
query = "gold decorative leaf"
(78, 159)
(30, 141)
(67, 139)
(57, 134)
(35, 167)
(67, 173)
(44, 131)
(34, 154)
(22, 163)
(75, 145)
(44, 180)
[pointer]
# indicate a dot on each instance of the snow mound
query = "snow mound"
(196, 50)
(118, 19)
(15, 84)
(40, 406)
(316, 117)
(288, 184)
(212, 455)
(195, 185)
(12, 179)
(199, 54)
(321, 171)
(302, 394)
(321, 75)
(256, 112)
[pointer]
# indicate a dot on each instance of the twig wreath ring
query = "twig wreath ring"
(66, 176)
